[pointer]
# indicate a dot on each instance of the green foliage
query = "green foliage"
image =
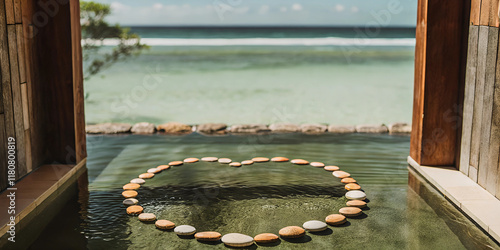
(95, 29)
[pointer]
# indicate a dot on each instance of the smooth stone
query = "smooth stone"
(335, 219)
(191, 160)
(237, 240)
(352, 186)
(235, 164)
(225, 160)
(131, 186)
(164, 224)
(355, 195)
(341, 174)
(356, 203)
(317, 164)
(315, 226)
(129, 194)
(211, 128)
(247, 162)
(174, 128)
(135, 209)
(108, 128)
(184, 230)
(400, 128)
(249, 128)
(138, 181)
(260, 159)
(284, 128)
(146, 176)
(331, 168)
(350, 211)
(266, 238)
(348, 180)
(147, 217)
(163, 167)
(292, 232)
(175, 163)
(209, 159)
(313, 128)
(299, 162)
(130, 201)
(143, 128)
(341, 129)
(208, 236)
(153, 170)
(374, 129)
(279, 159)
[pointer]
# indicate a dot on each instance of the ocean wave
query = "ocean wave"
(323, 41)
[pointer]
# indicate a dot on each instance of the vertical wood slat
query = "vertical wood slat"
(78, 94)
(9, 12)
(31, 160)
(489, 87)
(493, 176)
(475, 11)
(484, 16)
(17, 101)
(3, 154)
(470, 84)
(21, 50)
(18, 18)
(494, 20)
(478, 96)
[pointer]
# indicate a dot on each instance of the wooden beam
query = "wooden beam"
(21, 50)
(470, 84)
(9, 11)
(18, 18)
(17, 101)
(78, 99)
(3, 154)
(475, 12)
(493, 173)
(494, 20)
(484, 17)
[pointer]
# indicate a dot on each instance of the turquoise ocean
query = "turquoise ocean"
(259, 75)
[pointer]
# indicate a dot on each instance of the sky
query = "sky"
(380, 13)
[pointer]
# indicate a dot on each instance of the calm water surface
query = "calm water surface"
(258, 198)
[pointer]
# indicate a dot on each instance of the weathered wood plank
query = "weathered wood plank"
(9, 11)
(17, 101)
(470, 84)
(494, 20)
(24, 99)
(493, 175)
(489, 86)
(21, 53)
(78, 99)
(475, 12)
(18, 18)
(29, 159)
(484, 17)
(479, 96)
(3, 154)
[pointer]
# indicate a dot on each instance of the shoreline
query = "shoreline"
(176, 128)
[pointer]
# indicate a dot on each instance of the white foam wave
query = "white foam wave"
(324, 41)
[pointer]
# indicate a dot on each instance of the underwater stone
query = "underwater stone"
(208, 236)
(143, 128)
(350, 211)
(314, 226)
(130, 201)
(237, 240)
(292, 232)
(185, 230)
(335, 219)
(266, 238)
(355, 195)
(164, 224)
(147, 217)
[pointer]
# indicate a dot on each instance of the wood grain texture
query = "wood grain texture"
(9, 11)
(78, 99)
(24, 99)
(479, 96)
(484, 17)
(470, 84)
(17, 101)
(494, 20)
(493, 174)
(18, 18)
(21, 53)
(475, 11)
(3, 154)
(489, 86)
(419, 83)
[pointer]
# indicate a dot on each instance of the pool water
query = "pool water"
(259, 198)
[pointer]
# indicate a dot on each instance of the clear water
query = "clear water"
(258, 198)
(341, 84)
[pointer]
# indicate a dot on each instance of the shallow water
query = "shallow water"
(263, 197)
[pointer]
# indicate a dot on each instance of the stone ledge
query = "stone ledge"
(473, 200)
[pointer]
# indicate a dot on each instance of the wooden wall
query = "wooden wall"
(41, 101)
(480, 145)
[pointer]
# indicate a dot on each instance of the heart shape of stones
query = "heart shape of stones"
(354, 206)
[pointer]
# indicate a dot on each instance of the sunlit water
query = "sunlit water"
(259, 198)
